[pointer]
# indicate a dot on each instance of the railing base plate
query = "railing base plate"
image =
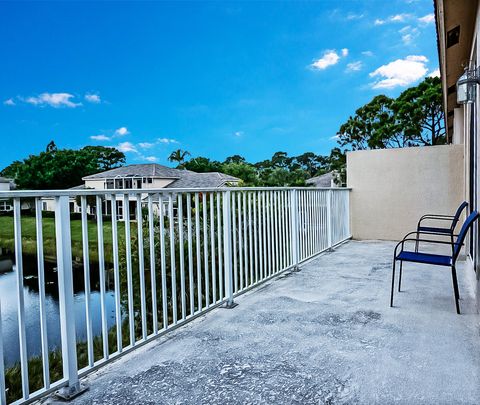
(68, 393)
(229, 306)
(295, 269)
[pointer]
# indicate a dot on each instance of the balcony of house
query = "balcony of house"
(225, 295)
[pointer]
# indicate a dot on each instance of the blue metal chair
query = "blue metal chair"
(439, 230)
(430, 258)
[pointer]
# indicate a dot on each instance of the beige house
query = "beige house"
(142, 176)
(6, 185)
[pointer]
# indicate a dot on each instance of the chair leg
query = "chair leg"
(393, 283)
(416, 243)
(400, 278)
(455, 289)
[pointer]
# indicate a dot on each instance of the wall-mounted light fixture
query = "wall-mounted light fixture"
(467, 86)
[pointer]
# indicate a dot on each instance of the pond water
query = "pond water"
(8, 298)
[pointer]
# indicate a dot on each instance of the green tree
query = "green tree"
(414, 118)
(202, 165)
(179, 156)
(419, 112)
(244, 171)
(62, 168)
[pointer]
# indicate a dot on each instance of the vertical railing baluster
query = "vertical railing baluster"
(240, 238)
(191, 283)
(86, 276)
(65, 296)
(116, 272)
(227, 248)
(198, 249)
(250, 241)
(3, 392)
(181, 253)
(41, 293)
(294, 237)
(141, 267)
(255, 235)
(234, 241)
(205, 249)
(212, 248)
(151, 234)
(264, 253)
(329, 218)
(101, 271)
(128, 260)
(163, 261)
(173, 268)
(20, 297)
(220, 247)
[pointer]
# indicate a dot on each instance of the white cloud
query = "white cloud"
(100, 137)
(427, 19)
(401, 72)
(329, 58)
(434, 73)
(238, 133)
(353, 16)
(367, 53)
(146, 145)
(408, 34)
(150, 158)
(126, 147)
(344, 52)
(354, 66)
(55, 100)
(93, 98)
(9, 102)
(167, 140)
(122, 131)
(397, 18)
(334, 138)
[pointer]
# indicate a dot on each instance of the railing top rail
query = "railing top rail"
(80, 192)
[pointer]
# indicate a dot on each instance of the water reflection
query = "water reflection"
(8, 297)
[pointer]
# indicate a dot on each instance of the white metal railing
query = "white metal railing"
(186, 252)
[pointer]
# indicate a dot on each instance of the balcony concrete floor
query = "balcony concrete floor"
(323, 335)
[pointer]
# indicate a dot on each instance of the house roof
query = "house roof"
(202, 180)
(181, 178)
(140, 170)
(325, 180)
(5, 180)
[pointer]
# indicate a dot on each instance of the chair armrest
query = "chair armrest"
(402, 242)
(434, 218)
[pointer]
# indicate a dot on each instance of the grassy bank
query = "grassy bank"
(29, 235)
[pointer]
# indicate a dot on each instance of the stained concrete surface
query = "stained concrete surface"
(324, 335)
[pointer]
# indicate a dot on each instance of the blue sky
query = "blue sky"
(214, 78)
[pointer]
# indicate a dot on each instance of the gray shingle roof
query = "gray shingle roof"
(325, 180)
(5, 180)
(141, 170)
(202, 180)
(182, 178)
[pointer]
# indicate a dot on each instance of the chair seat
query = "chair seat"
(426, 258)
(432, 229)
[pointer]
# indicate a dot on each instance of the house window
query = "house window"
(5, 206)
(44, 206)
(150, 180)
(110, 184)
(128, 183)
(118, 183)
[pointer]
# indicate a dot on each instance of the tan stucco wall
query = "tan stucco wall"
(393, 188)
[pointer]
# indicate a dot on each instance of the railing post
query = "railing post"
(329, 219)
(294, 227)
(65, 295)
(3, 393)
(227, 249)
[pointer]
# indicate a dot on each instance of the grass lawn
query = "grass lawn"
(29, 233)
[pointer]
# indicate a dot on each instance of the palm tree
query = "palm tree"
(179, 156)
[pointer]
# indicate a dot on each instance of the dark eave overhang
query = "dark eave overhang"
(455, 23)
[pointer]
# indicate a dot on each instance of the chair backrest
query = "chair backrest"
(456, 218)
(463, 233)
